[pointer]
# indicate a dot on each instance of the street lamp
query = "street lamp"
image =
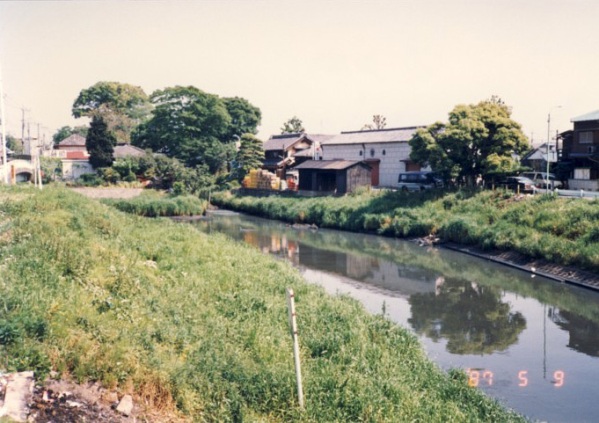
(548, 138)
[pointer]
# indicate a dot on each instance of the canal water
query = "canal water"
(530, 342)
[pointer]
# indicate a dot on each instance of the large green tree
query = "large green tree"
(121, 106)
(188, 124)
(293, 125)
(245, 117)
(100, 143)
(249, 156)
(479, 139)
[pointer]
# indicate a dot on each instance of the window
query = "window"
(585, 137)
(582, 173)
(372, 152)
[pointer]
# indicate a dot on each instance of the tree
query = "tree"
(100, 143)
(378, 122)
(250, 155)
(67, 131)
(479, 139)
(14, 144)
(187, 124)
(293, 126)
(121, 106)
(245, 118)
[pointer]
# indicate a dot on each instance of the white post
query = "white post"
(4, 159)
(296, 352)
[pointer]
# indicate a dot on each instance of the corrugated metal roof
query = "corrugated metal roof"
(328, 164)
(73, 140)
(374, 136)
(589, 116)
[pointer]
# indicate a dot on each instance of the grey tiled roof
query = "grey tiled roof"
(374, 136)
(280, 142)
(73, 140)
(127, 150)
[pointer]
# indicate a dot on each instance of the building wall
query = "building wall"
(392, 155)
(73, 169)
(357, 176)
(578, 145)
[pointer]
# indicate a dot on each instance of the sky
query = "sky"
(332, 63)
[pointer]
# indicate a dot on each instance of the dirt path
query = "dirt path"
(109, 192)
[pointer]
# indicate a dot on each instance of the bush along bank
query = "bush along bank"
(198, 325)
(564, 231)
(157, 205)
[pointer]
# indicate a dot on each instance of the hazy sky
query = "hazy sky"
(331, 63)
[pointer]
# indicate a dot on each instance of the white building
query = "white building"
(386, 151)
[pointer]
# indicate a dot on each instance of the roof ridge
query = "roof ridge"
(384, 129)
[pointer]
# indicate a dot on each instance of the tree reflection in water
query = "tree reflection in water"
(471, 317)
(584, 333)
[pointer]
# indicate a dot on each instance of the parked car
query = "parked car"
(515, 183)
(418, 181)
(540, 179)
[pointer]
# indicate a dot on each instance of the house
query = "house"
(332, 176)
(282, 152)
(73, 142)
(536, 158)
(386, 151)
(581, 152)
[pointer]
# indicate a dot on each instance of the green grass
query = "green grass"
(157, 205)
(565, 231)
(198, 324)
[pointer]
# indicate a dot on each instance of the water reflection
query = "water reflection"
(584, 333)
(471, 317)
(536, 341)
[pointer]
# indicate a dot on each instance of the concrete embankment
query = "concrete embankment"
(563, 274)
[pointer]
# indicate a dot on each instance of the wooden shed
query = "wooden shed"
(333, 176)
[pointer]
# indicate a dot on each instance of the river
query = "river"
(530, 342)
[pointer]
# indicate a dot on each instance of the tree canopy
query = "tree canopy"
(479, 139)
(245, 117)
(100, 143)
(250, 155)
(121, 106)
(378, 122)
(293, 126)
(188, 124)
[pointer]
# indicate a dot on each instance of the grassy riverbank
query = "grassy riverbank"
(565, 231)
(153, 204)
(197, 325)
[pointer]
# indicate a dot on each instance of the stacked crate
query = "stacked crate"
(262, 179)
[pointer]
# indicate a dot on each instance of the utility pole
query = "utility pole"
(23, 130)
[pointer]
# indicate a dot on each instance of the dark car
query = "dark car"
(515, 183)
(418, 181)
